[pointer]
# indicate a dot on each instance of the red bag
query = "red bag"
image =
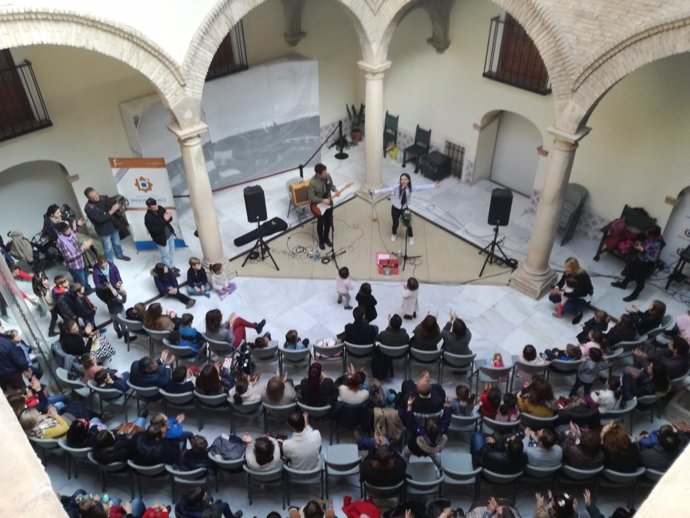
(360, 507)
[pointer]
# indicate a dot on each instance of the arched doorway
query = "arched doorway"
(514, 158)
(27, 189)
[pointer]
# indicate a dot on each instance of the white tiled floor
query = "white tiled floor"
(501, 319)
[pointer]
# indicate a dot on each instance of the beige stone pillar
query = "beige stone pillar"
(373, 124)
(533, 276)
(200, 191)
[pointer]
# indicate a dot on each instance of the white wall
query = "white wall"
(41, 182)
(515, 157)
(331, 39)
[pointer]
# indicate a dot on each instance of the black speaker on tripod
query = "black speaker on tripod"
(499, 209)
(255, 203)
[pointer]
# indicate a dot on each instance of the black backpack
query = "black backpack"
(242, 363)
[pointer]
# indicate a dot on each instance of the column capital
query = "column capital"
(374, 69)
(188, 132)
(567, 137)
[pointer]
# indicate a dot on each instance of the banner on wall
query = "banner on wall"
(138, 179)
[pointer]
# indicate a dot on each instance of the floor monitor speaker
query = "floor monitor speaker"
(499, 210)
(255, 203)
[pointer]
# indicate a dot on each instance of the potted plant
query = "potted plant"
(356, 118)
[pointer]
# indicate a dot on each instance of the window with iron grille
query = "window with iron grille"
(22, 109)
(231, 55)
(456, 153)
(512, 57)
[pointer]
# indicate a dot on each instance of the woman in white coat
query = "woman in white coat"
(409, 298)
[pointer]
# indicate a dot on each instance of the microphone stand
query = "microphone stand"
(407, 229)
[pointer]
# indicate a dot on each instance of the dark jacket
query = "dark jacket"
(196, 277)
(158, 378)
(496, 458)
(583, 286)
(325, 395)
(425, 343)
(645, 322)
(419, 442)
(76, 345)
(625, 463)
(120, 452)
(380, 477)
(147, 451)
(158, 227)
(12, 359)
(574, 456)
(453, 344)
(165, 282)
(99, 214)
(423, 405)
(617, 334)
(359, 333)
(179, 388)
(369, 303)
(394, 338)
(67, 304)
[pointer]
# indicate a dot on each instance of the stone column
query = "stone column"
(373, 124)
(533, 276)
(200, 191)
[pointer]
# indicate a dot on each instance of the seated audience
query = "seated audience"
(429, 398)
(582, 448)
(653, 379)
(599, 322)
(609, 397)
(394, 335)
(536, 398)
(302, 450)
(500, 455)
(234, 331)
(180, 381)
(360, 331)
(528, 356)
(647, 320)
(246, 390)
(151, 447)
(278, 391)
(197, 503)
(456, 336)
(293, 342)
(213, 379)
(660, 448)
(508, 410)
(154, 318)
(382, 467)
(148, 372)
(542, 448)
(43, 426)
(317, 389)
(427, 440)
(196, 456)
(263, 453)
(426, 335)
(353, 390)
(463, 403)
(623, 331)
(620, 453)
(675, 357)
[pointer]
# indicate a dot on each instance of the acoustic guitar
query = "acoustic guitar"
(319, 208)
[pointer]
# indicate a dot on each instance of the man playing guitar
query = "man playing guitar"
(320, 189)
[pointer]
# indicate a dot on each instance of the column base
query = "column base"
(531, 283)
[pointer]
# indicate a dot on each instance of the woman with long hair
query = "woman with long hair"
(456, 336)
(316, 389)
(233, 331)
(426, 335)
(572, 292)
(166, 283)
(155, 319)
(400, 203)
(536, 398)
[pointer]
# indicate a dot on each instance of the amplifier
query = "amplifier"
(299, 193)
(435, 166)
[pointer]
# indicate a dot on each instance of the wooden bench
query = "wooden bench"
(635, 225)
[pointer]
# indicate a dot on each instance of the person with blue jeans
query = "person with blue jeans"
(100, 210)
(157, 221)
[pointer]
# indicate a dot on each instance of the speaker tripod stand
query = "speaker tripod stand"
(260, 249)
(491, 256)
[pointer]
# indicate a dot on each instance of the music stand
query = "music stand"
(260, 249)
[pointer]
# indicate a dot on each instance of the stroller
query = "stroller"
(35, 255)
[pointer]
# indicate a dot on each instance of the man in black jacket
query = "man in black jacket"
(12, 364)
(100, 210)
(157, 221)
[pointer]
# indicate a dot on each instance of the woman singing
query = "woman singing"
(400, 203)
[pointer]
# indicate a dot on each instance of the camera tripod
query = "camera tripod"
(260, 249)
(491, 256)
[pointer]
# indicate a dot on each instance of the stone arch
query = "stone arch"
(652, 44)
(53, 27)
